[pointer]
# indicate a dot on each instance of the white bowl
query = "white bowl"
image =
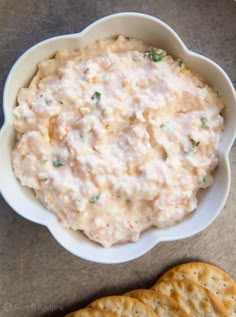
(151, 31)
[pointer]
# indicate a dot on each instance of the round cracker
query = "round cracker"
(91, 312)
(193, 298)
(123, 306)
(209, 276)
(163, 305)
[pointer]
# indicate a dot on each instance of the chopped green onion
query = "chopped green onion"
(180, 63)
(218, 94)
(96, 96)
(162, 125)
(48, 102)
(164, 155)
(204, 124)
(203, 180)
(44, 161)
(157, 56)
(194, 143)
(45, 179)
(193, 147)
(86, 70)
(57, 162)
(94, 199)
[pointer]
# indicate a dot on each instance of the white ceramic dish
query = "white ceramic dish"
(151, 31)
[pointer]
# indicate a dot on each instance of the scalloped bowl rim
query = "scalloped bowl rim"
(76, 243)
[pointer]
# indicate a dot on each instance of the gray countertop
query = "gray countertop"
(37, 276)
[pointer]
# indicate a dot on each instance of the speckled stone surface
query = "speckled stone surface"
(37, 276)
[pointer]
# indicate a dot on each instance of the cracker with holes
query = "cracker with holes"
(163, 305)
(196, 300)
(123, 306)
(209, 276)
(91, 312)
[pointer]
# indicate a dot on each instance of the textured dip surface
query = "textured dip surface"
(116, 137)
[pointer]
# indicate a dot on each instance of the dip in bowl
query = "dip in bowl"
(153, 33)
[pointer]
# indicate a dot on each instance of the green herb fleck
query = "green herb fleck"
(128, 38)
(94, 199)
(217, 93)
(57, 162)
(180, 63)
(48, 102)
(204, 123)
(44, 161)
(45, 179)
(96, 97)
(135, 59)
(86, 70)
(203, 180)
(194, 143)
(162, 125)
(164, 155)
(157, 56)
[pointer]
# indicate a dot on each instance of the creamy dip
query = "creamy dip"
(116, 137)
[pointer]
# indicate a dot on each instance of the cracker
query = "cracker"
(123, 306)
(209, 276)
(91, 312)
(163, 305)
(193, 298)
